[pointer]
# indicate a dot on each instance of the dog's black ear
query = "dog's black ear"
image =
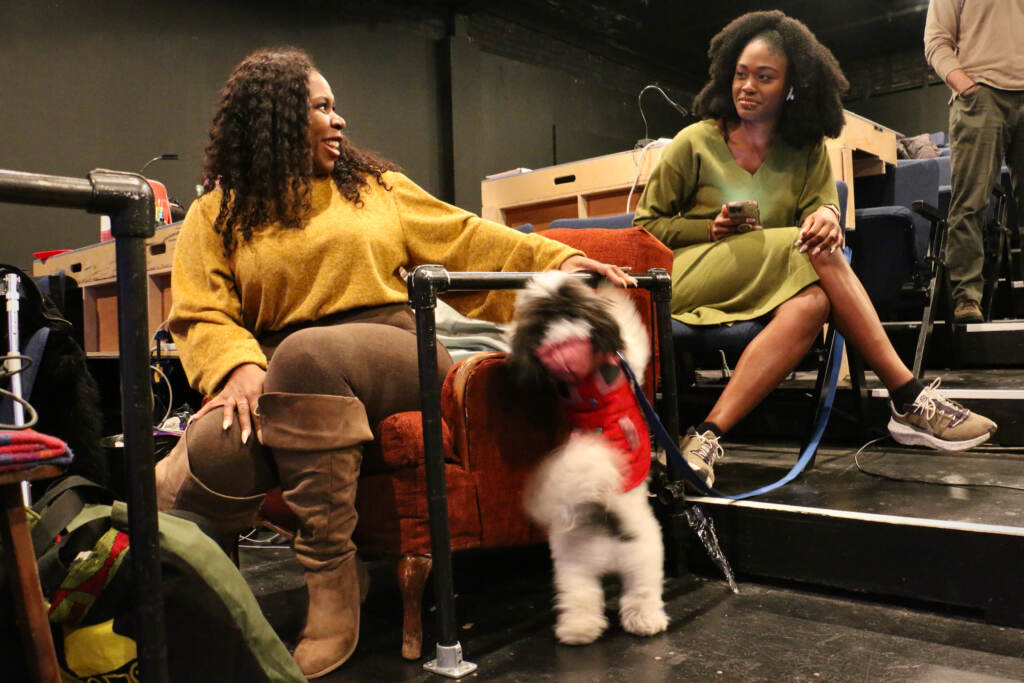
(605, 335)
(526, 368)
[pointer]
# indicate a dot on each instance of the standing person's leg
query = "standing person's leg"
(1015, 153)
(325, 387)
(978, 139)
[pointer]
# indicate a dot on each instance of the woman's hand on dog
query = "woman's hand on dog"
(581, 264)
(240, 394)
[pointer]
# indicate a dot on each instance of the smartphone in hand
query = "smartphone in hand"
(742, 211)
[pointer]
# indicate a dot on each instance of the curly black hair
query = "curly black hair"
(816, 110)
(259, 152)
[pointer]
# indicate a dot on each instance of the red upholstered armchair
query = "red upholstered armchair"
(493, 436)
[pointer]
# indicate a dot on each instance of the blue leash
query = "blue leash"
(672, 449)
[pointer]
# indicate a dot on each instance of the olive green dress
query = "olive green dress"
(743, 276)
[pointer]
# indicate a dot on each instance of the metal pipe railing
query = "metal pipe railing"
(424, 284)
(128, 200)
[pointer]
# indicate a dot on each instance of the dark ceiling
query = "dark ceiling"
(674, 34)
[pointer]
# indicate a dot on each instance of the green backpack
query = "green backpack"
(215, 629)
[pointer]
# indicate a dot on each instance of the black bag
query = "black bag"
(59, 385)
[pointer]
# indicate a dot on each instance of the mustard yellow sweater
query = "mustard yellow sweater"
(345, 257)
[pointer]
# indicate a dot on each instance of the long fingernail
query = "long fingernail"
(832, 250)
(797, 243)
(803, 249)
(245, 436)
(816, 251)
(226, 425)
(259, 435)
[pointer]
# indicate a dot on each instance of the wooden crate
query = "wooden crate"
(94, 268)
(589, 188)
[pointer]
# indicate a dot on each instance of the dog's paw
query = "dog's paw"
(644, 620)
(579, 628)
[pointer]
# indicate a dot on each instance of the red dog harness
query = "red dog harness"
(611, 410)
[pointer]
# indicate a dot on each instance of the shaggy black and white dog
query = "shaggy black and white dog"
(590, 493)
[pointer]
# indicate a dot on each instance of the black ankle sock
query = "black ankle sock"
(906, 394)
(709, 426)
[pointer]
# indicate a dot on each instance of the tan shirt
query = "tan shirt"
(345, 257)
(985, 38)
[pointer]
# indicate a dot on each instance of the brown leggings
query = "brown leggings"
(369, 354)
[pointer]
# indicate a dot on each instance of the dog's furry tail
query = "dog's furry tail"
(586, 470)
(636, 345)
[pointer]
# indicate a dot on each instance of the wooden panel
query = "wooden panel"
(23, 577)
(159, 300)
(540, 215)
(104, 315)
(611, 203)
(867, 136)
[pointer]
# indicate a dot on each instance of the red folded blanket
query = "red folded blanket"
(27, 448)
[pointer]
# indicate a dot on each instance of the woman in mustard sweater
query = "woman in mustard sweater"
(290, 311)
(774, 95)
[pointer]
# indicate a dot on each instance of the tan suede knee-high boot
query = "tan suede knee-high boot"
(177, 488)
(316, 441)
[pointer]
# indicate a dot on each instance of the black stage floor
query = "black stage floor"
(775, 629)
(765, 633)
(977, 487)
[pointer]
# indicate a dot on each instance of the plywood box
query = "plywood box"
(593, 187)
(94, 268)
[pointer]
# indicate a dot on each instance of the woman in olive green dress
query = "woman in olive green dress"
(773, 97)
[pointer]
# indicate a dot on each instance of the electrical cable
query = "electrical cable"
(5, 374)
(640, 104)
(881, 475)
(251, 539)
(915, 480)
(645, 143)
(170, 393)
(636, 177)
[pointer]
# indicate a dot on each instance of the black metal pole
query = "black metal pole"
(661, 293)
(128, 200)
(675, 525)
(424, 283)
(44, 190)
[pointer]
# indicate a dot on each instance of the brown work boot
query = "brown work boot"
(968, 311)
(317, 444)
